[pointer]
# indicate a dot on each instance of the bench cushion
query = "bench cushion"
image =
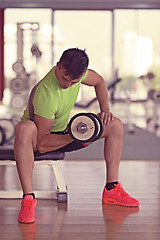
(8, 154)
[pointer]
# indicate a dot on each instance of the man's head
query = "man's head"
(75, 61)
(71, 66)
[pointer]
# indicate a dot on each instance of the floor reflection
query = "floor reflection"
(114, 216)
(49, 220)
(28, 231)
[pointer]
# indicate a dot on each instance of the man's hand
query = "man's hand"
(107, 117)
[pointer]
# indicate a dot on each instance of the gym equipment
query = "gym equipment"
(16, 118)
(17, 84)
(18, 101)
(2, 136)
(85, 127)
(111, 86)
(150, 94)
(156, 96)
(100, 126)
(9, 129)
(35, 51)
(23, 82)
(153, 121)
(18, 67)
(50, 158)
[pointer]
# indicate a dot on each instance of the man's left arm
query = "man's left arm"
(94, 79)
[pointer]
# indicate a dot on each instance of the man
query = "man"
(44, 123)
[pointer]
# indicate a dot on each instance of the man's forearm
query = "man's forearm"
(51, 142)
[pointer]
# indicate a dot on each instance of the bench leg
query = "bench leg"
(62, 190)
(61, 194)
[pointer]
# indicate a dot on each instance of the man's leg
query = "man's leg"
(113, 134)
(25, 143)
(113, 192)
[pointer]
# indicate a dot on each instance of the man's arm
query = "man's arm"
(94, 79)
(46, 141)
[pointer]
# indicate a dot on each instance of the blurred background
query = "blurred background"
(123, 45)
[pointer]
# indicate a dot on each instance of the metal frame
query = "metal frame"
(60, 194)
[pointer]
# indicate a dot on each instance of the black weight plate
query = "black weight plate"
(92, 129)
(100, 128)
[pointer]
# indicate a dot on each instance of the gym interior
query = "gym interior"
(122, 40)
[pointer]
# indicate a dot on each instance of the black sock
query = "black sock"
(29, 194)
(111, 185)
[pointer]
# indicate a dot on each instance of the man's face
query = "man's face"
(65, 79)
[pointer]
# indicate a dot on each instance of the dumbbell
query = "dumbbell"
(85, 127)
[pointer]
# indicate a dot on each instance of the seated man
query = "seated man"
(44, 122)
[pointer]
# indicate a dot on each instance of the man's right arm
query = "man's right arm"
(46, 141)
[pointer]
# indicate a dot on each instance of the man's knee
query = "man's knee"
(114, 128)
(117, 127)
(25, 129)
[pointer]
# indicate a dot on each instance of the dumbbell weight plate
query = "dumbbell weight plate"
(2, 136)
(18, 67)
(156, 96)
(83, 127)
(16, 118)
(100, 126)
(35, 51)
(8, 127)
(18, 101)
(150, 94)
(17, 84)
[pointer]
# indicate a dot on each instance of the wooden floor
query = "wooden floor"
(84, 217)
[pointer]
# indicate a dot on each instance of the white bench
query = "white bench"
(49, 158)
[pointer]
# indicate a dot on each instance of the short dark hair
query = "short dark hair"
(75, 61)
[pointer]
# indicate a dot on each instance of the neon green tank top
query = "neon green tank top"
(49, 100)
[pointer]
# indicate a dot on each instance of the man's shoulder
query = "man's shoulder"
(92, 78)
(49, 82)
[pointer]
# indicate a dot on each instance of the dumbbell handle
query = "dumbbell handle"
(82, 127)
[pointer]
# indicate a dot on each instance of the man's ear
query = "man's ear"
(58, 65)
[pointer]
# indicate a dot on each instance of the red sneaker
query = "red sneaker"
(118, 196)
(27, 212)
